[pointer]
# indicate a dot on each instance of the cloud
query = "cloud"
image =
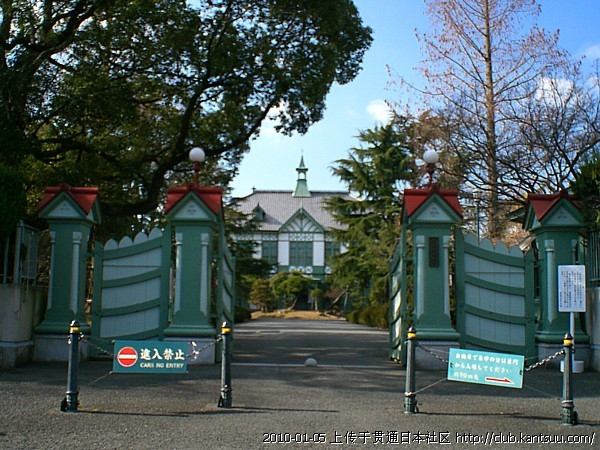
(592, 52)
(379, 111)
(267, 127)
(554, 89)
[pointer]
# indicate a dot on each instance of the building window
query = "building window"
(259, 214)
(331, 249)
(301, 253)
(269, 251)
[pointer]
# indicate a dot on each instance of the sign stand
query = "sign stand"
(571, 299)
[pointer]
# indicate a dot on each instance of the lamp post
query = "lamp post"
(194, 220)
(433, 212)
(430, 157)
(197, 156)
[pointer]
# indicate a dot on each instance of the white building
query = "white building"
(294, 228)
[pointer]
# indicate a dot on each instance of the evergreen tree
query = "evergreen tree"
(376, 172)
(290, 286)
(262, 295)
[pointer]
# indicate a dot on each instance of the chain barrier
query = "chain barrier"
(432, 352)
(436, 354)
(418, 391)
(544, 361)
(87, 340)
(193, 355)
(71, 402)
(196, 352)
(569, 415)
(536, 365)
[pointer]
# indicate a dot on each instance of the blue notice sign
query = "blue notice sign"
(150, 357)
(497, 369)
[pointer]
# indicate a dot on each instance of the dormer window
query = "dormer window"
(259, 214)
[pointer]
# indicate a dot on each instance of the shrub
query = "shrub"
(374, 315)
(241, 314)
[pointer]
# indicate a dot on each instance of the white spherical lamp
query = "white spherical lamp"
(197, 155)
(431, 157)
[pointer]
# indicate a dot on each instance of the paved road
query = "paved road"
(353, 398)
(330, 343)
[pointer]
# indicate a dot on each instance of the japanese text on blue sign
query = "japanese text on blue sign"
(497, 369)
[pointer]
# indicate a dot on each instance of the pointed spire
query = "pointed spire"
(301, 184)
(302, 166)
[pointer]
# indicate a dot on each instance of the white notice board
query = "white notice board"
(571, 288)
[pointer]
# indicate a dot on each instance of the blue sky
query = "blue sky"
(272, 160)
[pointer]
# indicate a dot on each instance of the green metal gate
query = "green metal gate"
(398, 313)
(495, 296)
(131, 288)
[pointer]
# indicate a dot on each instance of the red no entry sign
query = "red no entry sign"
(127, 356)
(150, 357)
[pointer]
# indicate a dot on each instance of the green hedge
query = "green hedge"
(370, 315)
(241, 314)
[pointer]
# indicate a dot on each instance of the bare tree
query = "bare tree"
(484, 61)
(558, 127)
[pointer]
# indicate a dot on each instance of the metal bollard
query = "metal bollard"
(225, 399)
(410, 398)
(70, 402)
(569, 415)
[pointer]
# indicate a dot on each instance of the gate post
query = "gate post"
(225, 398)
(569, 415)
(430, 214)
(194, 211)
(410, 398)
(70, 212)
(555, 221)
(71, 402)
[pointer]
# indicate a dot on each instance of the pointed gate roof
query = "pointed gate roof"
(415, 198)
(211, 196)
(85, 198)
(541, 206)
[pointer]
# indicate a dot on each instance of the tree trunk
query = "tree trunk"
(493, 225)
